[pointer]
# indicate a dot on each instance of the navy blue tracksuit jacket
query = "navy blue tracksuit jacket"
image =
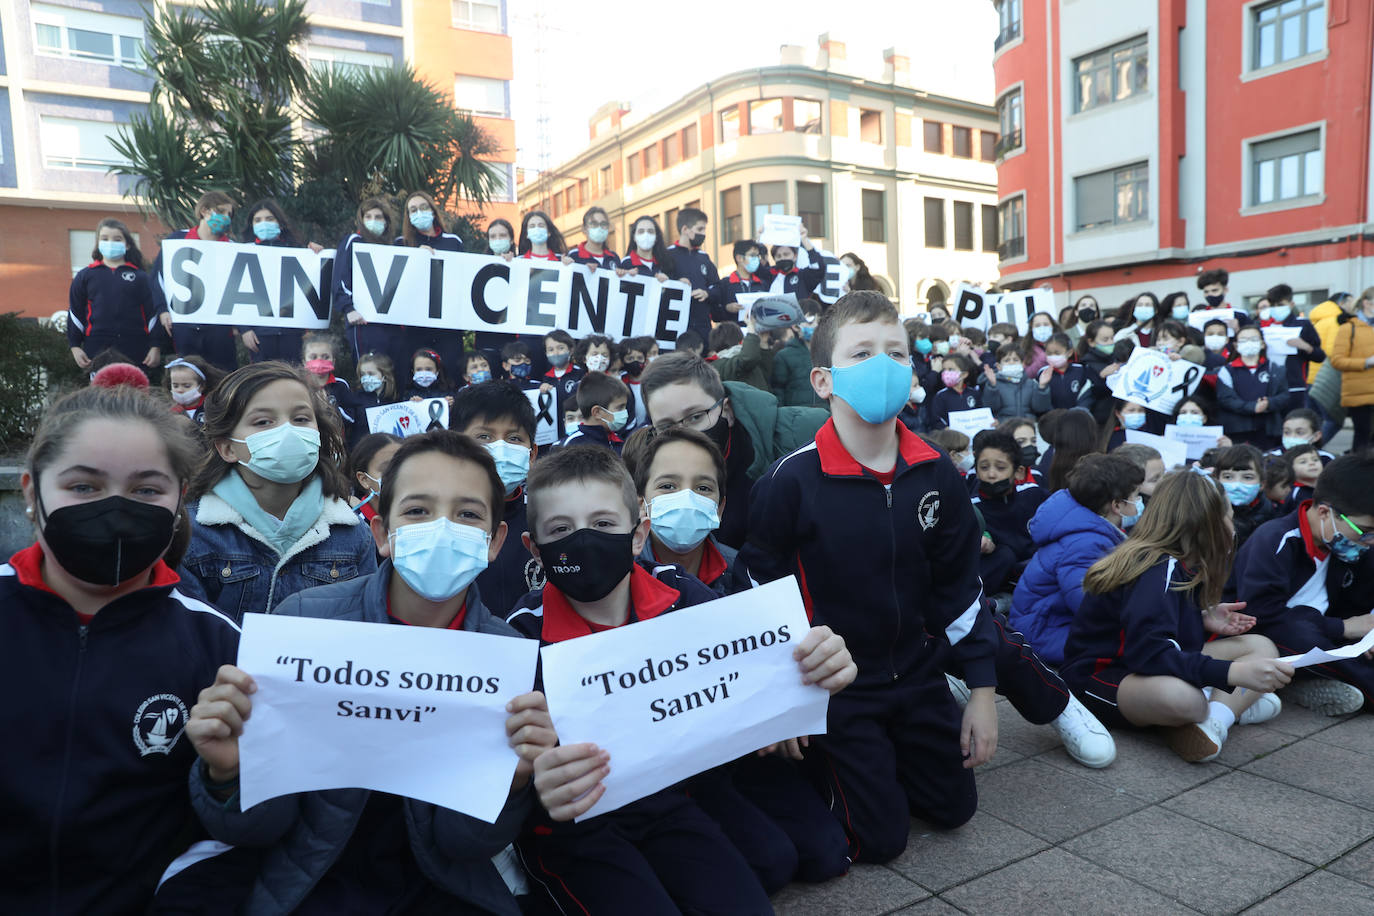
(726, 289)
(607, 260)
(696, 267)
(1239, 387)
(1295, 366)
(113, 308)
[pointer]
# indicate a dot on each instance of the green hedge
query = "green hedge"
(35, 364)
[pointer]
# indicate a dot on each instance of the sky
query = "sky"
(630, 58)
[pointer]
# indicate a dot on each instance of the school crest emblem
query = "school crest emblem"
(158, 724)
(928, 510)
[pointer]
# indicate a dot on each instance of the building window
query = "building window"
(81, 35)
(584, 190)
(1287, 29)
(874, 216)
(1286, 168)
(690, 148)
(1008, 22)
(504, 173)
(963, 142)
(69, 143)
(729, 124)
(987, 146)
(765, 116)
(767, 197)
(934, 136)
(606, 182)
(651, 160)
(963, 226)
(1114, 197)
(477, 15)
(989, 227)
(345, 61)
(1112, 74)
(670, 224)
(806, 116)
(633, 165)
(731, 216)
(1011, 219)
(811, 207)
(480, 96)
(935, 222)
(672, 150)
(870, 125)
(1011, 120)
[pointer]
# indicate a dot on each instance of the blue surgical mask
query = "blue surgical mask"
(1294, 442)
(876, 388)
(1042, 333)
(371, 383)
(422, 220)
(438, 559)
(619, 418)
(283, 454)
(480, 376)
(683, 519)
(218, 223)
(1280, 313)
(520, 370)
(1239, 492)
(924, 346)
(266, 230)
(941, 348)
(512, 463)
(1133, 420)
(597, 234)
(1143, 313)
(1180, 313)
(424, 377)
(808, 331)
(1189, 419)
(375, 226)
(537, 235)
(751, 263)
(499, 246)
(112, 250)
(1138, 506)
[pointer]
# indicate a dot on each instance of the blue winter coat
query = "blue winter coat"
(1068, 540)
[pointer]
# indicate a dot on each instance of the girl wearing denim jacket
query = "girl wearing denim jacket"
(269, 506)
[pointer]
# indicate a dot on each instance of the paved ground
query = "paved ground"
(1281, 823)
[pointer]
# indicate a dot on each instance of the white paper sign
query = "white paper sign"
(831, 286)
(545, 404)
(408, 418)
(1322, 656)
(781, 230)
(1198, 439)
(687, 691)
(1199, 319)
(976, 308)
(1151, 379)
(972, 422)
(1174, 453)
(414, 711)
(234, 284)
(1276, 338)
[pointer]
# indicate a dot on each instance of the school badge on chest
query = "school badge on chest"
(928, 510)
(158, 724)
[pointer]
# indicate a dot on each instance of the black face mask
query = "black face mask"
(698, 240)
(1215, 301)
(720, 434)
(634, 367)
(587, 564)
(1087, 316)
(999, 490)
(785, 265)
(107, 541)
(1029, 455)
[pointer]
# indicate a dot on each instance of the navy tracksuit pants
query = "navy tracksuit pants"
(659, 855)
(280, 345)
(213, 343)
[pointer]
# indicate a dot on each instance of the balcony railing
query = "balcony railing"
(1012, 248)
(1010, 33)
(1006, 143)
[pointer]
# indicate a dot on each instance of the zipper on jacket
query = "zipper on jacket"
(892, 579)
(54, 838)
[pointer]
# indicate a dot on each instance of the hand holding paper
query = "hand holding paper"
(1317, 656)
(217, 721)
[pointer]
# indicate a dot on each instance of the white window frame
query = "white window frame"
(1076, 100)
(467, 23)
(1248, 171)
(1250, 13)
(1116, 174)
(503, 112)
(64, 19)
(343, 59)
(76, 161)
(1004, 23)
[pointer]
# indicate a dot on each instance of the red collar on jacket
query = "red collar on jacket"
(194, 233)
(637, 261)
(1239, 363)
(1315, 549)
(591, 255)
(551, 256)
(713, 565)
(836, 461)
(28, 568)
(648, 598)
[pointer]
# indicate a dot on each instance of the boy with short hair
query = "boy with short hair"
(516, 364)
(501, 419)
(696, 266)
(1213, 284)
(1008, 392)
(476, 369)
(879, 528)
(601, 404)
(1302, 426)
(562, 377)
(748, 277)
(1306, 578)
(1006, 507)
(1304, 339)
(662, 853)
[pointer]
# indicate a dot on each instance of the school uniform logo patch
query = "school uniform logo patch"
(127, 277)
(1263, 378)
(158, 724)
(1073, 386)
(970, 401)
(928, 510)
(534, 575)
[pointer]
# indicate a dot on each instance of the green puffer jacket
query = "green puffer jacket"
(752, 365)
(775, 430)
(792, 375)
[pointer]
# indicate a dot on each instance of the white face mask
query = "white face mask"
(424, 377)
(439, 559)
(598, 362)
(1041, 333)
(1215, 342)
(645, 240)
(186, 398)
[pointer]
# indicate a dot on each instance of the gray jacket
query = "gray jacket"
(303, 834)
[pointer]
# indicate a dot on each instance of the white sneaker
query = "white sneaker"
(1199, 742)
(1085, 738)
(959, 689)
(1326, 696)
(1262, 710)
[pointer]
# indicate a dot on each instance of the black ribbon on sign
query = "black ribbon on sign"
(546, 400)
(436, 410)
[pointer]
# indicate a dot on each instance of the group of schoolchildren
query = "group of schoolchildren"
(1090, 586)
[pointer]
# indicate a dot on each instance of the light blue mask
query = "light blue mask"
(537, 235)
(499, 246)
(283, 454)
(438, 559)
(422, 219)
(1133, 420)
(619, 418)
(1180, 313)
(1128, 521)
(682, 520)
(480, 376)
(1294, 442)
(512, 463)
(751, 263)
(1143, 313)
(266, 230)
(112, 251)
(1240, 493)
(1280, 313)
(1189, 419)
(597, 234)
(371, 383)
(924, 346)
(876, 388)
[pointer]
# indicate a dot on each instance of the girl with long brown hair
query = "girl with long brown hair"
(1138, 652)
